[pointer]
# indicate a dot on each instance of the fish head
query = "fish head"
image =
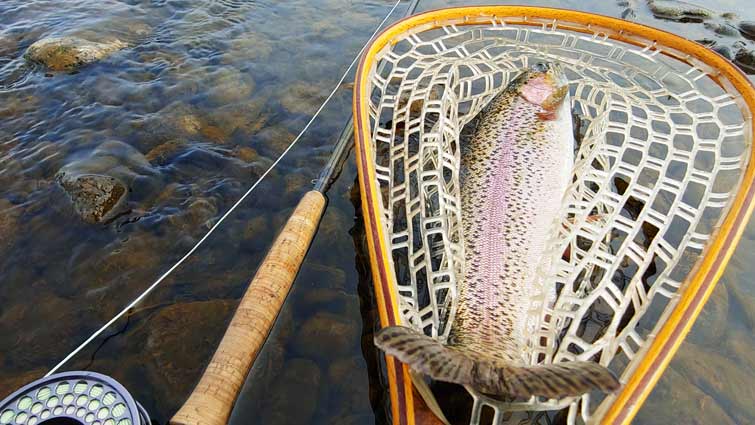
(543, 84)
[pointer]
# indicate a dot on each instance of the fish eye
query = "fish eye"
(540, 67)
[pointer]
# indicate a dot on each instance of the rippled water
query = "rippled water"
(198, 105)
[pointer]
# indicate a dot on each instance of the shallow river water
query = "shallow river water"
(205, 95)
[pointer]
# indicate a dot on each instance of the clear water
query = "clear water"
(210, 92)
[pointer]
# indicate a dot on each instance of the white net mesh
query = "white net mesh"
(661, 152)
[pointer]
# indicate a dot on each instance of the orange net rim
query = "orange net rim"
(702, 279)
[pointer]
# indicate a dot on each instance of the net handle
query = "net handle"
(698, 286)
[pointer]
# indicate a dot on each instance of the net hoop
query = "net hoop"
(700, 281)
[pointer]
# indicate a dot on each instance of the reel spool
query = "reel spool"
(73, 398)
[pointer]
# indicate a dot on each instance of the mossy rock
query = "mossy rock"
(70, 53)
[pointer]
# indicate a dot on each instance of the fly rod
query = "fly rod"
(214, 396)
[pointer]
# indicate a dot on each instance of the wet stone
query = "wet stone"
(725, 29)
(257, 227)
(302, 98)
(136, 257)
(326, 336)
(293, 399)
(70, 53)
(9, 384)
(245, 117)
(721, 378)
(710, 327)
(676, 397)
(162, 153)
(251, 47)
(94, 196)
(724, 51)
(348, 393)
(738, 346)
(679, 10)
(354, 420)
(745, 59)
(197, 214)
(8, 45)
(9, 220)
(98, 184)
(745, 303)
(46, 328)
(15, 106)
(229, 85)
(214, 134)
(273, 140)
(324, 298)
(296, 183)
(189, 123)
(327, 276)
(245, 154)
(180, 340)
(747, 29)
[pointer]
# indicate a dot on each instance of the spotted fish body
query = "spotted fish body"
(516, 171)
(514, 176)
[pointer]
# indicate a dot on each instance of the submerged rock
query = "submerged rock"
(229, 85)
(98, 184)
(747, 29)
(745, 59)
(746, 304)
(180, 340)
(724, 29)
(676, 397)
(326, 336)
(162, 153)
(10, 383)
(8, 45)
(246, 154)
(326, 275)
(679, 10)
(711, 326)
(348, 385)
(724, 51)
(94, 196)
(302, 98)
(320, 297)
(9, 215)
(197, 214)
(251, 46)
(293, 399)
(70, 53)
(720, 377)
(738, 346)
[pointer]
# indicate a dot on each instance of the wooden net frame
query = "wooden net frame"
(662, 186)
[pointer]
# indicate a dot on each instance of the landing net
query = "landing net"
(664, 141)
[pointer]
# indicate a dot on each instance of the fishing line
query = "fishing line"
(231, 210)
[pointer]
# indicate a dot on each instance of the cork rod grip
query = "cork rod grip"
(213, 398)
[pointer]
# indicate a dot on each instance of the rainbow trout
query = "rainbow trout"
(514, 176)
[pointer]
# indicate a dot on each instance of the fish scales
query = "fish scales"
(514, 175)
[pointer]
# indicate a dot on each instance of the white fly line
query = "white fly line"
(251, 189)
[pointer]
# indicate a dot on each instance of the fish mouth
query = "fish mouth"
(543, 84)
(552, 71)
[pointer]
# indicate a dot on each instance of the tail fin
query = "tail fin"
(444, 363)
